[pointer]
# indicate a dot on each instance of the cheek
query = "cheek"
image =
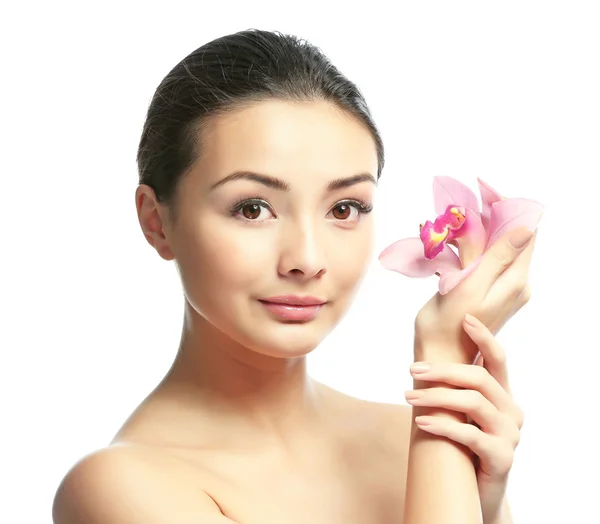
(222, 258)
(350, 260)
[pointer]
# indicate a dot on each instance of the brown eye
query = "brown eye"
(251, 211)
(342, 211)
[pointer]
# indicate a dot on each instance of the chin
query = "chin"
(287, 340)
(266, 334)
(282, 338)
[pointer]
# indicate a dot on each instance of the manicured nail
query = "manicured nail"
(413, 394)
(520, 238)
(471, 320)
(419, 367)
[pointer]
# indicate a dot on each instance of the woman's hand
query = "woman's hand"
(493, 293)
(486, 400)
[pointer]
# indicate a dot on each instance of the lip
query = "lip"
(293, 307)
(291, 312)
(294, 300)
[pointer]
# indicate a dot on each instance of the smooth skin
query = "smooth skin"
(495, 291)
(486, 399)
(237, 431)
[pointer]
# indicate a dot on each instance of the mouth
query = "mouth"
(296, 309)
(294, 300)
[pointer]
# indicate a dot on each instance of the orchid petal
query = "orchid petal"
(448, 191)
(513, 213)
(406, 257)
(433, 236)
(471, 238)
(489, 196)
(450, 279)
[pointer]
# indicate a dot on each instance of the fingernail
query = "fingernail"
(413, 394)
(520, 238)
(422, 421)
(471, 320)
(419, 367)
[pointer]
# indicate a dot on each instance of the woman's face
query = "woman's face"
(277, 205)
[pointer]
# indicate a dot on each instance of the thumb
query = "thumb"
(500, 256)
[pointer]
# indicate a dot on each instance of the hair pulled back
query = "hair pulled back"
(225, 74)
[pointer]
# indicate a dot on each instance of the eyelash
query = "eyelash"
(359, 204)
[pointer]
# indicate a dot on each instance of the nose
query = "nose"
(302, 253)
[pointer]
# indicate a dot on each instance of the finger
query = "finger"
(468, 377)
(504, 309)
(467, 401)
(495, 456)
(523, 260)
(513, 281)
(498, 258)
(523, 299)
(491, 351)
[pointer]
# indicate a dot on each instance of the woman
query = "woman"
(258, 166)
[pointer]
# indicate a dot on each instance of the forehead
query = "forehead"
(287, 139)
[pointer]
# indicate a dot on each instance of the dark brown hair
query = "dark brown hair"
(225, 74)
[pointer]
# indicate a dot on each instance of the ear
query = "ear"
(151, 217)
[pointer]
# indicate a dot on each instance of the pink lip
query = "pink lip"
(294, 300)
(292, 307)
(287, 312)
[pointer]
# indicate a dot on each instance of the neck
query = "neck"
(257, 398)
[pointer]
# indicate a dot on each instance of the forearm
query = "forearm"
(441, 483)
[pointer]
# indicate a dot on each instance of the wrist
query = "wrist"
(441, 352)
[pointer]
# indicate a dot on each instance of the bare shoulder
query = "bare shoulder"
(388, 423)
(395, 423)
(395, 414)
(392, 413)
(384, 443)
(131, 484)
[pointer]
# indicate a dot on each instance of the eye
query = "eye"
(345, 211)
(252, 210)
(350, 210)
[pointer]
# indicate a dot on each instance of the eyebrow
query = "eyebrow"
(281, 185)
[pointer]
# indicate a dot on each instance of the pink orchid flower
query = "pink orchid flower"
(461, 224)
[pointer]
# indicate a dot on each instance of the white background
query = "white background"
(91, 316)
